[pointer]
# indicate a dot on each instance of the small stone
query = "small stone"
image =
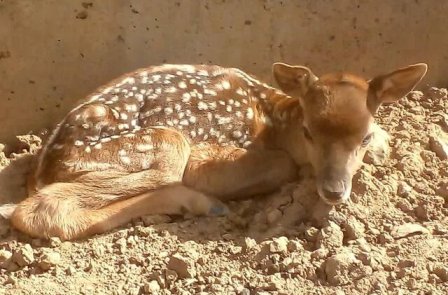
(24, 255)
(294, 246)
(319, 253)
(441, 271)
(279, 245)
(5, 255)
(55, 242)
(249, 244)
(182, 266)
(412, 284)
(354, 229)
(403, 189)
(170, 276)
(408, 229)
(70, 270)
(341, 268)
(151, 287)
(405, 205)
(311, 234)
(439, 146)
(48, 260)
(330, 237)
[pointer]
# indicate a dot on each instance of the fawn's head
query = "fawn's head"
(338, 116)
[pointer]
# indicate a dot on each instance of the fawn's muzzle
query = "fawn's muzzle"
(334, 188)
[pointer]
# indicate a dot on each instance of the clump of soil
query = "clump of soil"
(392, 238)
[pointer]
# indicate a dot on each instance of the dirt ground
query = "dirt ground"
(391, 238)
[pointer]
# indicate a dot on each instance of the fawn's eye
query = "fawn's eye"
(307, 134)
(367, 139)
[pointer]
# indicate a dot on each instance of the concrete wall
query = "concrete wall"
(54, 52)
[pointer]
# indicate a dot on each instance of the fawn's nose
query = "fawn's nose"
(334, 192)
(333, 196)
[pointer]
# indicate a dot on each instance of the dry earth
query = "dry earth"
(392, 238)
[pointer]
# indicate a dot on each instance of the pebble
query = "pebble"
(24, 256)
(5, 256)
(279, 245)
(441, 271)
(151, 287)
(403, 189)
(330, 237)
(408, 229)
(182, 266)
(354, 229)
(338, 268)
(249, 243)
(311, 234)
(439, 146)
(49, 259)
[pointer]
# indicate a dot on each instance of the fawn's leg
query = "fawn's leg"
(231, 173)
(146, 181)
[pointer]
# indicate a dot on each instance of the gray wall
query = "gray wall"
(54, 52)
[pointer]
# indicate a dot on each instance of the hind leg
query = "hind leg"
(142, 176)
(49, 216)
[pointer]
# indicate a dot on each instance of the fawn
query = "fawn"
(172, 139)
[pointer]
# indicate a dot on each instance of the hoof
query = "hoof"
(218, 210)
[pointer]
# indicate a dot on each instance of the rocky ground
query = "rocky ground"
(392, 238)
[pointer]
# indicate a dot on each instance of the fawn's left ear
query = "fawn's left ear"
(393, 86)
(293, 79)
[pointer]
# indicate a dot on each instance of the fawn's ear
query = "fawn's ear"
(293, 79)
(393, 86)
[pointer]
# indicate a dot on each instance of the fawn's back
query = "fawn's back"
(207, 104)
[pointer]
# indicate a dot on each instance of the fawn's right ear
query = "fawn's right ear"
(293, 79)
(395, 85)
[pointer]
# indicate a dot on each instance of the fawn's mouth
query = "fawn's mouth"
(334, 197)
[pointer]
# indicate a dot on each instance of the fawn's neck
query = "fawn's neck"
(283, 121)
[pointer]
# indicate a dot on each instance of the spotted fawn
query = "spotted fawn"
(172, 139)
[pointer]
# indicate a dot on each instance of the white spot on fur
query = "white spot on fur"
(182, 85)
(186, 97)
(225, 84)
(202, 106)
(229, 108)
(142, 148)
(168, 111)
(125, 160)
(123, 116)
(209, 116)
(79, 143)
(192, 119)
(212, 105)
(250, 113)
(97, 146)
(237, 134)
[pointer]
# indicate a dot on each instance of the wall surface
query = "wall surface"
(54, 52)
